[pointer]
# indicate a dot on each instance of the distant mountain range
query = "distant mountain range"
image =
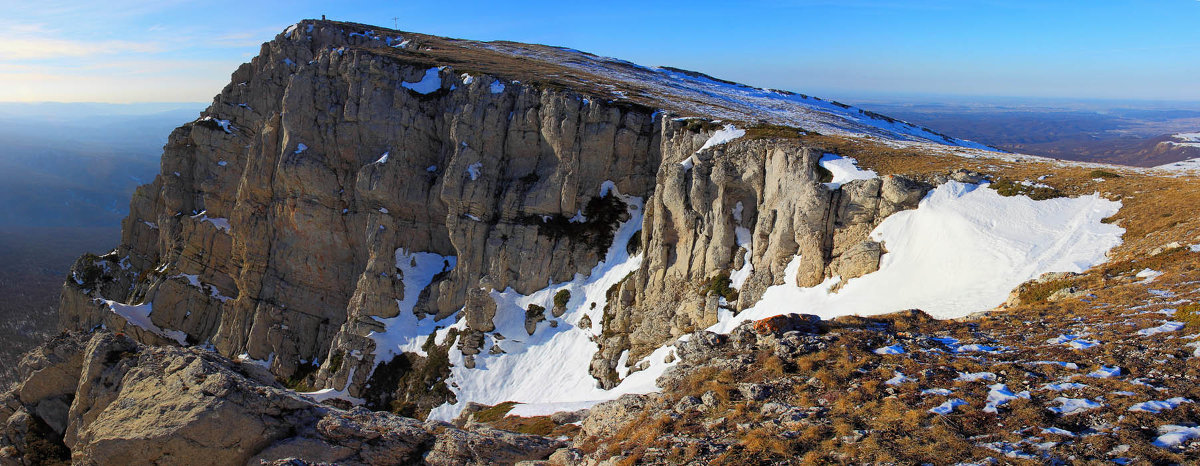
(1124, 133)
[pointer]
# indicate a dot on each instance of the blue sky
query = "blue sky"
(175, 51)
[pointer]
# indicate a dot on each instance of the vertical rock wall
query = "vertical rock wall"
(273, 229)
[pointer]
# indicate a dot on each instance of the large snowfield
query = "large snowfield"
(960, 252)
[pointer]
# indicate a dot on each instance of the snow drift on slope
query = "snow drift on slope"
(548, 371)
(1184, 165)
(961, 251)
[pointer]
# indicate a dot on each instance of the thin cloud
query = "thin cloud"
(36, 48)
(252, 38)
(36, 41)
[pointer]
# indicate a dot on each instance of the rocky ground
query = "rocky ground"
(105, 399)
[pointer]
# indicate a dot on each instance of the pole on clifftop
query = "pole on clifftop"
(395, 22)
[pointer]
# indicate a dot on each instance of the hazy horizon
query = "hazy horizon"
(847, 97)
(184, 51)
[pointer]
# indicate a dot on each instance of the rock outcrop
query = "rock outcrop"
(106, 399)
(301, 209)
(771, 190)
(274, 228)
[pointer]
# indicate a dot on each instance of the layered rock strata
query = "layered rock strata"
(283, 220)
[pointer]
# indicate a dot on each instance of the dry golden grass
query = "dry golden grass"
(1189, 314)
(720, 382)
(764, 443)
(494, 413)
(537, 425)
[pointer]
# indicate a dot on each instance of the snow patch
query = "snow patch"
(406, 332)
(429, 83)
(1170, 436)
(1068, 406)
(1105, 372)
(194, 280)
(139, 315)
(999, 394)
(722, 136)
(899, 378)
(219, 222)
(1058, 387)
(948, 406)
(1169, 326)
(1159, 406)
(688, 163)
(245, 358)
(974, 376)
(332, 394)
(473, 170)
(745, 241)
(844, 170)
(893, 349)
(1148, 275)
(977, 348)
(1073, 341)
(225, 125)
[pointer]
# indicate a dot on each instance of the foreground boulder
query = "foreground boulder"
(106, 399)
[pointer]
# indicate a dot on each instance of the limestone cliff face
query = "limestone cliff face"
(770, 189)
(274, 224)
(274, 228)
